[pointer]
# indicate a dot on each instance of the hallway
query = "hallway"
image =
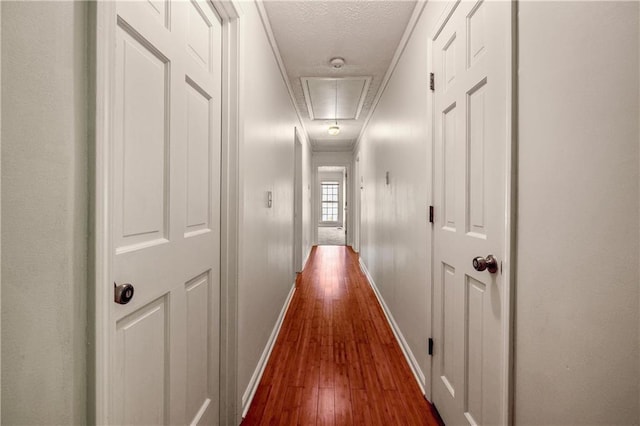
(331, 236)
(336, 360)
(162, 175)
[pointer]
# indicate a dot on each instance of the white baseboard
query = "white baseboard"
(250, 392)
(406, 350)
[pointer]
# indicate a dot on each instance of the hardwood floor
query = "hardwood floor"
(336, 361)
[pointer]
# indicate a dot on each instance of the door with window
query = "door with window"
(471, 63)
(164, 192)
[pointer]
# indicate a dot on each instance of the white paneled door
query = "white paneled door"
(165, 214)
(471, 62)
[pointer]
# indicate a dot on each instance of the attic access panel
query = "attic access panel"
(320, 95)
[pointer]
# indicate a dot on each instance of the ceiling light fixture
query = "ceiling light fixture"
(336, 63)
(335, 129)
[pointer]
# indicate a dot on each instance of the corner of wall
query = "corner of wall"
(45, 142)
(252, 387)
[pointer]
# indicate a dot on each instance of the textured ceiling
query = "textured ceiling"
(309, 33)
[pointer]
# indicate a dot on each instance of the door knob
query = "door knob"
(123, 293)
(481, 263)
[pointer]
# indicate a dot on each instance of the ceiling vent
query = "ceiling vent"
(320, 95)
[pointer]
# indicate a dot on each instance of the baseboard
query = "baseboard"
(250, 392)
(406, 350)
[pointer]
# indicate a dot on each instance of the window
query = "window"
(329, 201)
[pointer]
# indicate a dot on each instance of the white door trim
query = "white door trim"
(105, 79)
(511, 210)
(508, 265)
(355, 209)
(444, 17)
(232, 113)
(298, 202)
(0, 201)
(99, 362)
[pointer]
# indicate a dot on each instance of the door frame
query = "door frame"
(101, 259)
(298, 202)
(315, 204)
(316, 194)
(511, 151)
(357, 201)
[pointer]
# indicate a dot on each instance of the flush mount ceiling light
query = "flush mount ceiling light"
(336, 63)
(334, 129)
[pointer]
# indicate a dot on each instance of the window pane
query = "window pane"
(330, 198)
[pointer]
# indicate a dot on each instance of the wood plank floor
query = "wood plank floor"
(336, 361)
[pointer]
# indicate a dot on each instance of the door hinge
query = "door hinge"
(430, 214)
(430, 346)
(432, 81)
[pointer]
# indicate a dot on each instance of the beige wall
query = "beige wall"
(577, 271)
(44, 212)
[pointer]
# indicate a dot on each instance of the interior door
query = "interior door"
(471, 62)
(165, 194)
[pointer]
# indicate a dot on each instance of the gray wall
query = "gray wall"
(395, 237)
(266, 273)
(44, 212)
(577, 272)
(577, 288)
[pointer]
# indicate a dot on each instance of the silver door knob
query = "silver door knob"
(123, 293)
(490, 263)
